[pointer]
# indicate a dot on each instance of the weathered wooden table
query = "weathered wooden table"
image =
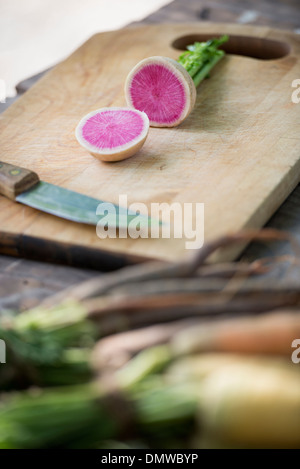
(23, 282)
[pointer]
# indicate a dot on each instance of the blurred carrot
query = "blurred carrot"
(270, 333)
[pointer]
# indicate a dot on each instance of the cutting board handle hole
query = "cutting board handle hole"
(255, 47)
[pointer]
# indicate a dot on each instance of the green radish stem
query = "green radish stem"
(203, 73)
(201, 57)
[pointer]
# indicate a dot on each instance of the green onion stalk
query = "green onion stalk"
(138, 404)
(47, 346)
(201, 57)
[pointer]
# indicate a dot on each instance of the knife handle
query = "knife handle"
(15, 180)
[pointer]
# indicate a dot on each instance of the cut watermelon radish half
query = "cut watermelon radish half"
(114, 133)
(163, 89)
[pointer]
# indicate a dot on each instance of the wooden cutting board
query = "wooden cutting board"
(238, 152)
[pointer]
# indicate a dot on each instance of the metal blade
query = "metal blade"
(74, 206)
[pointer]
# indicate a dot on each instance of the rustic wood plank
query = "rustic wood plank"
(24, 283)
(286, 218)
(283, 14)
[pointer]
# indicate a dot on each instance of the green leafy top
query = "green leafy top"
(201, 57)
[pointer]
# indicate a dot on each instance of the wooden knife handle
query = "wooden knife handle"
(15, 180)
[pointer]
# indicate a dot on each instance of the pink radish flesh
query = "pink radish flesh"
(163, 89)
(112, 129)
(159, 93)
(113, 134)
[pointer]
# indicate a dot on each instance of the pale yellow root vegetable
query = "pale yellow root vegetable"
(243, 401)
(252, 406)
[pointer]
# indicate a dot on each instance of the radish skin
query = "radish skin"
(113, 134)
(166, 89)
(161, 80)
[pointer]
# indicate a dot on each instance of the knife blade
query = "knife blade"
(24, 186)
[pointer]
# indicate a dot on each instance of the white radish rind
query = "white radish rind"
(163, 89)
(113, 133)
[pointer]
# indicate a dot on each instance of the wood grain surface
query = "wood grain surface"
(282, 14)
(238, 152)
(23, 282)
